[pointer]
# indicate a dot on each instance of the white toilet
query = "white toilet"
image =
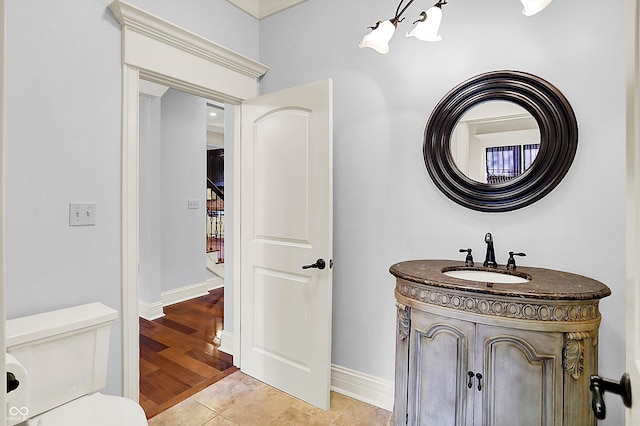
(64, 354)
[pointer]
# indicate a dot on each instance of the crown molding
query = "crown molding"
(263, 8)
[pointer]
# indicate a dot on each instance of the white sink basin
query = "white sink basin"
(486, 277)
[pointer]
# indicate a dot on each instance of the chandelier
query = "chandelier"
(426, 26)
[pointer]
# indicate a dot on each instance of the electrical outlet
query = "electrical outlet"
(82, 214)
(193, 204)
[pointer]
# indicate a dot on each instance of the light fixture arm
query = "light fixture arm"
(398, 17)
(399, 13)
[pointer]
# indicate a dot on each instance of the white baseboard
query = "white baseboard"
(360, 386)
(214, 282)
(184, 293)
(150, 311)
(363, 387)
(227, 344)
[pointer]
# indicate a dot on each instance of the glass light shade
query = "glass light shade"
(378, 39)
(531, 7)
(427, 30)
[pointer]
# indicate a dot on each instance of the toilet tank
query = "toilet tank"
(64, 353)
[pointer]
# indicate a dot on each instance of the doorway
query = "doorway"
(181, 224)
(158, 51)
(174, 202)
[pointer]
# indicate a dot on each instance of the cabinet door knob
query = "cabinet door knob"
(479, 377)
(470, 384)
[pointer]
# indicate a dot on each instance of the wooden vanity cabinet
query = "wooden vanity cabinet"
(464, 373)
(468, 358)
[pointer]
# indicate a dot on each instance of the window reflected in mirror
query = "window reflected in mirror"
(495, 141)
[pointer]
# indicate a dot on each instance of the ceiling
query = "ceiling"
(262, 8)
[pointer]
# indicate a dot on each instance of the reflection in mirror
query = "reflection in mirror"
(495, 141)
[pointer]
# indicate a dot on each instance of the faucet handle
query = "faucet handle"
(468, 261)
(511, 262)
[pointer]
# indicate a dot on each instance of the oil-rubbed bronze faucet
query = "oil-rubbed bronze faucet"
(468, 261)
(490, 258)
(511, 262)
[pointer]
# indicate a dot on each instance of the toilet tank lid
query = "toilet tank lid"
(38, 326)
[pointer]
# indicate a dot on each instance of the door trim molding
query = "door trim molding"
(3, 241)
(632, 23)
(165, 33)
(157, 50)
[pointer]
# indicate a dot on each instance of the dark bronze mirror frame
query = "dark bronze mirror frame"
(558, 140)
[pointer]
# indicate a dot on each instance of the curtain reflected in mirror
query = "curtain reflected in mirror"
(507, 162)
(495, 141)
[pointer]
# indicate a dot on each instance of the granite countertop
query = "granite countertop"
(544, 283)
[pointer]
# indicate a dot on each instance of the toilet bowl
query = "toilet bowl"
(64, 354)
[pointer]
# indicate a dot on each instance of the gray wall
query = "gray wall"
(63, 97)
(386, 207)
(63, 143)
(150, 267)
(184, 172)
(172, 171)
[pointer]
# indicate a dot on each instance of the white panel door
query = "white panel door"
(287, 223)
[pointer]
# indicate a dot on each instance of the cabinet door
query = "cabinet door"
(522, 377)
(441, 350)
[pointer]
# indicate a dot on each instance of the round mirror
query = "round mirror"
(500, 141)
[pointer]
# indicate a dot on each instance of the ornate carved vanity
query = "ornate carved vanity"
(488, 353)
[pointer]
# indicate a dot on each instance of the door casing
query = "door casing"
(3, 405)
(158, 51)
(633, 210)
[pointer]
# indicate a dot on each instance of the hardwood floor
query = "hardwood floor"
(179, 352)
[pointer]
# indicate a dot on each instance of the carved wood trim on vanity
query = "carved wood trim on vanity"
(497, 306)
(404, 321)
(573, 352)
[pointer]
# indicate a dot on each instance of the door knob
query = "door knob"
(320, 264)
(599, 386)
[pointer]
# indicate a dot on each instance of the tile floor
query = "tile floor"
(240, 400)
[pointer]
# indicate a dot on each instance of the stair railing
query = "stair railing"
(215, 215)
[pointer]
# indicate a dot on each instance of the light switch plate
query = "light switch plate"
(193, 204)
(82, 214)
